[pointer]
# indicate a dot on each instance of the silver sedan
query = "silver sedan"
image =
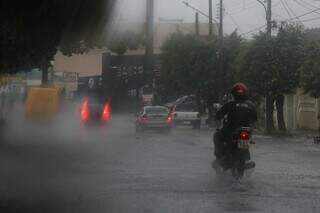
(153, 117)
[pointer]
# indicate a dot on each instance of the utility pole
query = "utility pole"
(221, 55)
(197, 24)
(148, 64)
(210, 19)
(269, 99)
(221, 21)
(269, 15)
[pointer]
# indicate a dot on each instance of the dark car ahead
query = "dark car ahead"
(94, 111)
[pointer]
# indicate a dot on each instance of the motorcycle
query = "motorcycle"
(236, 153)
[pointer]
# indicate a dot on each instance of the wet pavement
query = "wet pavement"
(65, 167)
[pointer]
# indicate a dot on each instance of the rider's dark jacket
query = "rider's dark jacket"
(239, 113)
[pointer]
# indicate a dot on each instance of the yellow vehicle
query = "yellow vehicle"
(42, 103)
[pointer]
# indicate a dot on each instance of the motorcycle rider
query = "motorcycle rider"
(240, 112)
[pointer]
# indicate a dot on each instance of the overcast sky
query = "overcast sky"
(244, 15)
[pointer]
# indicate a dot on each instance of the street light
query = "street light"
(267, 10)
(264, 6)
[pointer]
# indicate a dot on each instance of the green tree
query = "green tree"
(121, 43)
(271, 68)
(189, 66)
(310, 69)
(234, 45)
(32, 31)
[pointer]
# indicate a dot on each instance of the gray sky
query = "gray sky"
(244, 15)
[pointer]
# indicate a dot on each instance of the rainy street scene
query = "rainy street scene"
(160, 106)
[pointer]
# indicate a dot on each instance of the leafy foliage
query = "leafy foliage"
(189, 66)
(271, 65)
(310, 69)
(234, 45)
(120, 44)
(271, 68)
(32, 31)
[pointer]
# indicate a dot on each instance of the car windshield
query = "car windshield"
(156, 110)
(133, 106)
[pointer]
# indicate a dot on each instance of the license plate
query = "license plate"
(186, 122)
(243, 144)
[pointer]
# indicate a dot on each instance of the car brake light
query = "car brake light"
(105, 113)
(169, 119)
(85, 113)
(244, 135)
(144, 118)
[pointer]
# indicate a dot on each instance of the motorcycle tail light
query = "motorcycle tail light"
(244, 135)
(144, 118)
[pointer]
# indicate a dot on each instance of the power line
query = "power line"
(286, 3)
(285, 8)
(302, 5)
(311, 19)
(301, 15)
(267, 8)
(290, 9)
(307, 3)
(289, 19)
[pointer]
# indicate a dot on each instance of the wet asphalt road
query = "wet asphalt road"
(64, 167)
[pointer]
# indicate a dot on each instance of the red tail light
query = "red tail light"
(244, 135)
(169, 119)
(144, 118)
(85, 112)
(105, 113)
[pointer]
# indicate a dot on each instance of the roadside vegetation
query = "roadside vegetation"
(270, 67)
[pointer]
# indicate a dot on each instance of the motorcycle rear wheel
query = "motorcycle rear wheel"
(238, 169)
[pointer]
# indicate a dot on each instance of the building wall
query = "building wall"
(307, 112)
(88, 64)
(301, 111)
(290, 112)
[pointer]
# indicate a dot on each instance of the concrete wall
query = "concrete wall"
(307, 112)
(290, 108)
(301, 111)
